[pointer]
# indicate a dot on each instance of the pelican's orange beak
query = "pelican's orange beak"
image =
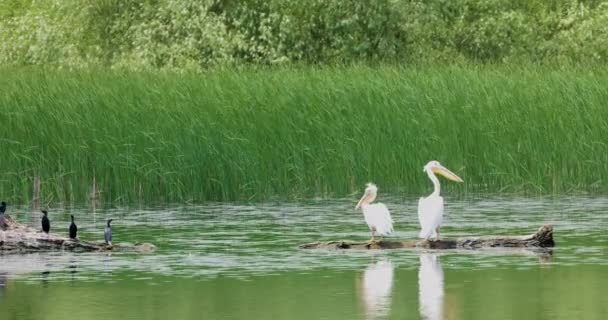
(446, 173)
(362, 200)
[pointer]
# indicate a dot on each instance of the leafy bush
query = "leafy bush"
(187, 34)
(583, 35)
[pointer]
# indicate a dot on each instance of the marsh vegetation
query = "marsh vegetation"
(253, 134)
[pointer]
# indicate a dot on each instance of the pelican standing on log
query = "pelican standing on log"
(376, 215)
(430, 209)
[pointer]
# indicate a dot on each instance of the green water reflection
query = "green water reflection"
(505, 293)
(241, 262)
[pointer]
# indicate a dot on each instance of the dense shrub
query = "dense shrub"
(196, 34)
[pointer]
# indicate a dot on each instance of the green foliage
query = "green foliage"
(584, 34)
(173, 34)
(317, 31)
(193, 35)
(239, 134)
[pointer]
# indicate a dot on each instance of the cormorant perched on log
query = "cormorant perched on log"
(3, 225)
(46, 223)
(107, 234)
(73, 228)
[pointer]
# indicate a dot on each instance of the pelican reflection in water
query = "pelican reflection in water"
(430, 287)
(376, 289)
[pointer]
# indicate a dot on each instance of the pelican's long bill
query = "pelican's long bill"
(361, 201)
(446, 173)
(368, 197)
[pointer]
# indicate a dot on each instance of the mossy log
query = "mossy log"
(543, 238)
(18, 238)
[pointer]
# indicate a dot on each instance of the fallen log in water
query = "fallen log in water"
(19, 239)
(543, 238)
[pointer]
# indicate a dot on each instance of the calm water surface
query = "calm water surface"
(228, 261)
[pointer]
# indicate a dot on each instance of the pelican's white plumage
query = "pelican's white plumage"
(430, 215)
(376, 215)
(430, 209)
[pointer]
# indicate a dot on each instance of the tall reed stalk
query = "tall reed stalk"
(253, 134)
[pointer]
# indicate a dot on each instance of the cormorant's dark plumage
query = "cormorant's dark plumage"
(46, 223)
(73, 229)
(107, 234)
(3, 225)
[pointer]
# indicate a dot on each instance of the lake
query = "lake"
(241, 261)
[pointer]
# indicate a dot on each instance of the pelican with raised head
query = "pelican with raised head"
(376, 215)
(430, 209)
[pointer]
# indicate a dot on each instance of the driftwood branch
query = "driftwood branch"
(19, 238)
(543, 238)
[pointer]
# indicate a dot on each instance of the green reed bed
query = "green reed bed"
(254, 134)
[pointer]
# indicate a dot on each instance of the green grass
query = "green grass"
(245, 134)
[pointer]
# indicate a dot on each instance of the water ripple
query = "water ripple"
(241, 240)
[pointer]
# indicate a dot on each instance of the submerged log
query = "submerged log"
(543, 238)
(21, 239)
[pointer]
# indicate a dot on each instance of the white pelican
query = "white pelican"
(376, 215)
(430, 209)
(430, 287)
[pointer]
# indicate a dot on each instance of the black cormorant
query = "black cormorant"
(46, 223)
(107, 234)
(3, 225)
(73, 228)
